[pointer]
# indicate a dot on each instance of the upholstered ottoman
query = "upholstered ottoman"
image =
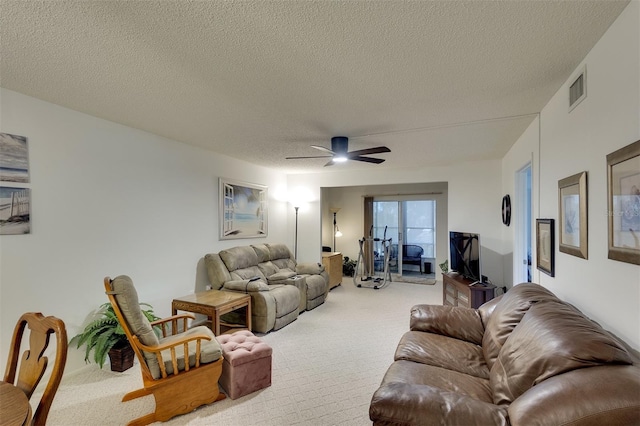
(247, 363)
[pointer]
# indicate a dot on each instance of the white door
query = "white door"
(523, 253)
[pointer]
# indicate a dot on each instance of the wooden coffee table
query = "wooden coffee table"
(213, 304)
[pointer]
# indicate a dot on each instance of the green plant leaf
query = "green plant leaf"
(104, 332)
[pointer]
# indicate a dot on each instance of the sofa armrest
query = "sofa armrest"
(413, 404)
(246, 286)
(309, 268)
(591, 396)
(280, 277)
(457, 322)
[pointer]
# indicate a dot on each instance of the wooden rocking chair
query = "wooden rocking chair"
(180, 369)
(33, 363)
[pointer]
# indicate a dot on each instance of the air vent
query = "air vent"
(578, 89)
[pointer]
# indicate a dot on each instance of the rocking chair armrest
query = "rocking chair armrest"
(163, 346)
(163, 323)
(158, 349)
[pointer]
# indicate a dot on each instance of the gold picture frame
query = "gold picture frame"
(572, 202)
(623, 197)
(545, 246)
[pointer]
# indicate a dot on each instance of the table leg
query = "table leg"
(248, 316)
(215, 319)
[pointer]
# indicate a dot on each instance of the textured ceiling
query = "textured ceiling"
(437, 82)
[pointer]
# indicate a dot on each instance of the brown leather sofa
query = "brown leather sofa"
(525, 358)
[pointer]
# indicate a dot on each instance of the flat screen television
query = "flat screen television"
(464, 254)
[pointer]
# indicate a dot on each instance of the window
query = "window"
(420, 224)
(407, 222)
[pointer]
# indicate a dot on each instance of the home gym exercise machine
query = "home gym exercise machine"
(372, 267)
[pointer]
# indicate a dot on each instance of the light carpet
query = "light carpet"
(326, 366)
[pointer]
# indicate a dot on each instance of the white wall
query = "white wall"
(526, 150)
(474, 199)
(608, 119)
(350, 218)
(110, 200)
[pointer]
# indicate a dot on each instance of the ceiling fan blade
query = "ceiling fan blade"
(376, 150)
(330, 163)
(367, 159)
(322, 148)
(313, 156)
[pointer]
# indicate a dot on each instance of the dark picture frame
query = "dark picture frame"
(623, 199)
(545, 246)
(243, 210)
(572, 202)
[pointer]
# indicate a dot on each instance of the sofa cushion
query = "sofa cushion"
(457, 322)
(287, 302)
(210, 351)
(262, 251)
(247, 274)
(604, 395)
(507, 314)
(309, 268)
(282, 257)
(285, 263)
(486, 309)
(246, 286)
(418, 394)
(127, 298)
(280, 276)
(316, 286)
(216, 270)
(441, 351)
(268, 268)
(552, 338)
(279, 251)
(441, 378)
(239, 257)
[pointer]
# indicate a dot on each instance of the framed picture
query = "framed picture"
(243, 210)
(14, 158)
(572, 199)
(545, 246)
(15, 206)
(623, 197)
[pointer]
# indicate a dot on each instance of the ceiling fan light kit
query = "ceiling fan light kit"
(340, 152)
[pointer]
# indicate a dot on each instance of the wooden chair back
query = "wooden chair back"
(176, 391)
(132, 338)
(25, 372)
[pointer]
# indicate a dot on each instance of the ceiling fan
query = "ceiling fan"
(340, 152)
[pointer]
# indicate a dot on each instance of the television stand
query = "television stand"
(460, 291)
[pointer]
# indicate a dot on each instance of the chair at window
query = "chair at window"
(25, 372)
(180, 369)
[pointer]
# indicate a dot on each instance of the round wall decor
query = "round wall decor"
(506, 210)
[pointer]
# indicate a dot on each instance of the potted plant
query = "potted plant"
(104, 335)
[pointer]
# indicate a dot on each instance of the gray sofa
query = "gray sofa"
(279, 287)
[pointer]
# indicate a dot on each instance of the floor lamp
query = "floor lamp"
(295, 244)
(336, 230)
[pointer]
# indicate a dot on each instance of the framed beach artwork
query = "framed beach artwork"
(623, 197)
(243, 210)
(545, 246)
(15, 205)
(572, 200)
(14, 158)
